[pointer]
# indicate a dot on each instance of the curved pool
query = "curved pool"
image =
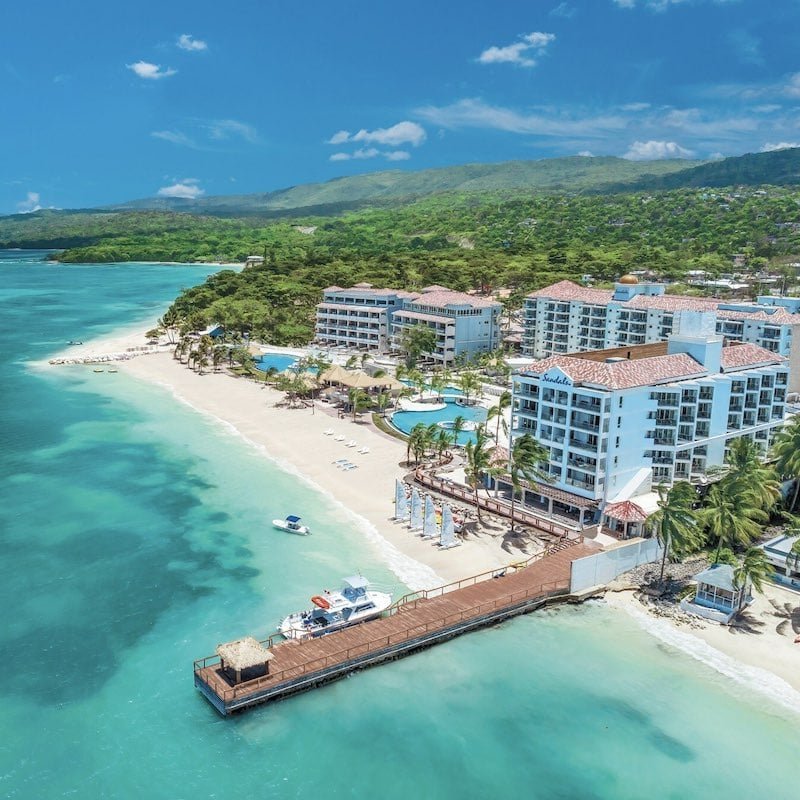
(278, 361)
(405, 420)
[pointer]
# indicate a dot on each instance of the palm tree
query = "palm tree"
(382, 401)
(417, 442)
(498, 412)
(748, 473)
(458, 426)
(469, 382)
(442, 443)
(732, 516)
(754, 568)
(786, 451)
(479, 462)
(675, 522)
(793, 556)
(358, 400)
(524, 464)
(437, 383)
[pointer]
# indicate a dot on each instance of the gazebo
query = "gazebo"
(244, 659)
(625, 514)
(718, 596)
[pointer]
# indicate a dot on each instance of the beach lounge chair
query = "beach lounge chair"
(364, 450)
(348, 467)
(328, 432)
(351, 443)
(339, 437)
(339, 462)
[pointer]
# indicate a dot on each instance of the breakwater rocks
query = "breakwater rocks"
(101, 358)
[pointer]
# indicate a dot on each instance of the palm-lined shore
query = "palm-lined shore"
(296, 440)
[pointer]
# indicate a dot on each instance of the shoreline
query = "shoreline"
(752, 653)
(293, 439)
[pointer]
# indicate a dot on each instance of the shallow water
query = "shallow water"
(136, 536)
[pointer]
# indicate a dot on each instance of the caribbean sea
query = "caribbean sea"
(135, 536)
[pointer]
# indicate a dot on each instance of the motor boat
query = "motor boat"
(332, 611)
(291, 525)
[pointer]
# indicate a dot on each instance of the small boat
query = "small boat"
(332, 611)
(113, 370)
(291, 525)
(98, 370)
(72, 341)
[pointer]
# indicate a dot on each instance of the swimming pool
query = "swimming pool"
(278, 361)
(406, 420)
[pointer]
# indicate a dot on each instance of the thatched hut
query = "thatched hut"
(244, 660)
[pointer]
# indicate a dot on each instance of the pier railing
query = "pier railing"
(494, 506)
(342, 657)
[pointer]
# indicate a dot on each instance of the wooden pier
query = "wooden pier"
(418, 620)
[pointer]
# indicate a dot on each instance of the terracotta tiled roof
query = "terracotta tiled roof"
(741, 356)
(670, 302)
(366, 290)
(778, 317)
(567, 290)
(622, 374)
(626, 511)
(442, 299)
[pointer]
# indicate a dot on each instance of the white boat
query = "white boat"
(332, 611)
(291, 525)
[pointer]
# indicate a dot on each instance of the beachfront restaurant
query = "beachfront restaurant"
(717, 597)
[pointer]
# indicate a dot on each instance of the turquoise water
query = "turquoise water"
(406, 420)
(136, 536)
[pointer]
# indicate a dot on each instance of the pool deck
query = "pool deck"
(417, 621)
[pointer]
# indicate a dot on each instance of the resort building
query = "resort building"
(787, 566)
(464, 325)
(619, 422)
(568, 318)
(374, 319)
(358, 317)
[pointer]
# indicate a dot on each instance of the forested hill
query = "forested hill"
(576, 174)
(776, 168)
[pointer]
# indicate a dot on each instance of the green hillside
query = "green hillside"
(555, 175)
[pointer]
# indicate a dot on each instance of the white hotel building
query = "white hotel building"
(366, 318)
(568, 318)
(620, 422)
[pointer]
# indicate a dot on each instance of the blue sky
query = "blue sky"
(105, 102)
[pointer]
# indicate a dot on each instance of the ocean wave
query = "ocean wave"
(761, 680)
(411, 572)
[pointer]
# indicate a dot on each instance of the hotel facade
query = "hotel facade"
(568, 318)
(375, 319)
(617, 423)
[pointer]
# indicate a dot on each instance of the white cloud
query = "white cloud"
(716, 156)
(402, 133)
(366, 152)
(187, 42)
(654, 150)
(474, 113)
(563, 10)
(30, 203)
(231, 128)
(340, 157)
(659, 5)
(152, 72)
(586, 154)
(187, 188)
(770, 146)
(175, 137)
(520, 53)
(340, 137)
(398, 155)
(635, 107)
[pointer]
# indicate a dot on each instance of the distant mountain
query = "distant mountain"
(778, 168)
(554, 175)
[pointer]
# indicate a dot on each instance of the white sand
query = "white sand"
(752, 651)
(294, 438)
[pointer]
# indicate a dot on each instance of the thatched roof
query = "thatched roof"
(244, 653)
(359, 379)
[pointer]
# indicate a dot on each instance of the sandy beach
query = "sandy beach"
(295, 438)
(758, 650)
(757, 653)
